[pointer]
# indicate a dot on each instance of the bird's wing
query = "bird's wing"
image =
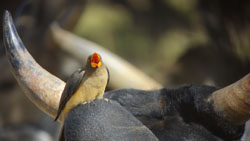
(108, 76)
(71, 86)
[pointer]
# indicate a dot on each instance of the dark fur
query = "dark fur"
(171, 114)
(104, 121)
(178, 114)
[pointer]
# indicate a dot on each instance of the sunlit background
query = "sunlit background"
(176, 42)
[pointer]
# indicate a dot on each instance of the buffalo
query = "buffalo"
(191, 112)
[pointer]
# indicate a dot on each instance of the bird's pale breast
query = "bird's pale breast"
(90, 89)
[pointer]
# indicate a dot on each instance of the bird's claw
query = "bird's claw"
(106, 99)
(91, 103)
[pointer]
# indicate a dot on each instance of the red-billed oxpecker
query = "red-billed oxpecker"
(84, 85)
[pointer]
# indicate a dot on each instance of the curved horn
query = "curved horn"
(233, 101)
(41, 87)
(123, 74)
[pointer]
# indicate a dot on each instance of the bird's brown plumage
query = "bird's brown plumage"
(84, 85)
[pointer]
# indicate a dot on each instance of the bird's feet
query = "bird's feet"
(92, 103)
(106, 99)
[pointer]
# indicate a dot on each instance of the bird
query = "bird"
(84, 85)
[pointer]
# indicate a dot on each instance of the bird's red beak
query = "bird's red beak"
(95, 60)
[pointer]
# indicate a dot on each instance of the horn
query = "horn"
(123, 74)
(41, 87)
(233, 101)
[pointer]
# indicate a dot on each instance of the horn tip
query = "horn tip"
(6, 13)
(10, 36)
(6, 18)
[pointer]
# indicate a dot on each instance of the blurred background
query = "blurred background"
(175, 42)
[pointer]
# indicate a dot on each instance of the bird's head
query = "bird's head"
(95, 60)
